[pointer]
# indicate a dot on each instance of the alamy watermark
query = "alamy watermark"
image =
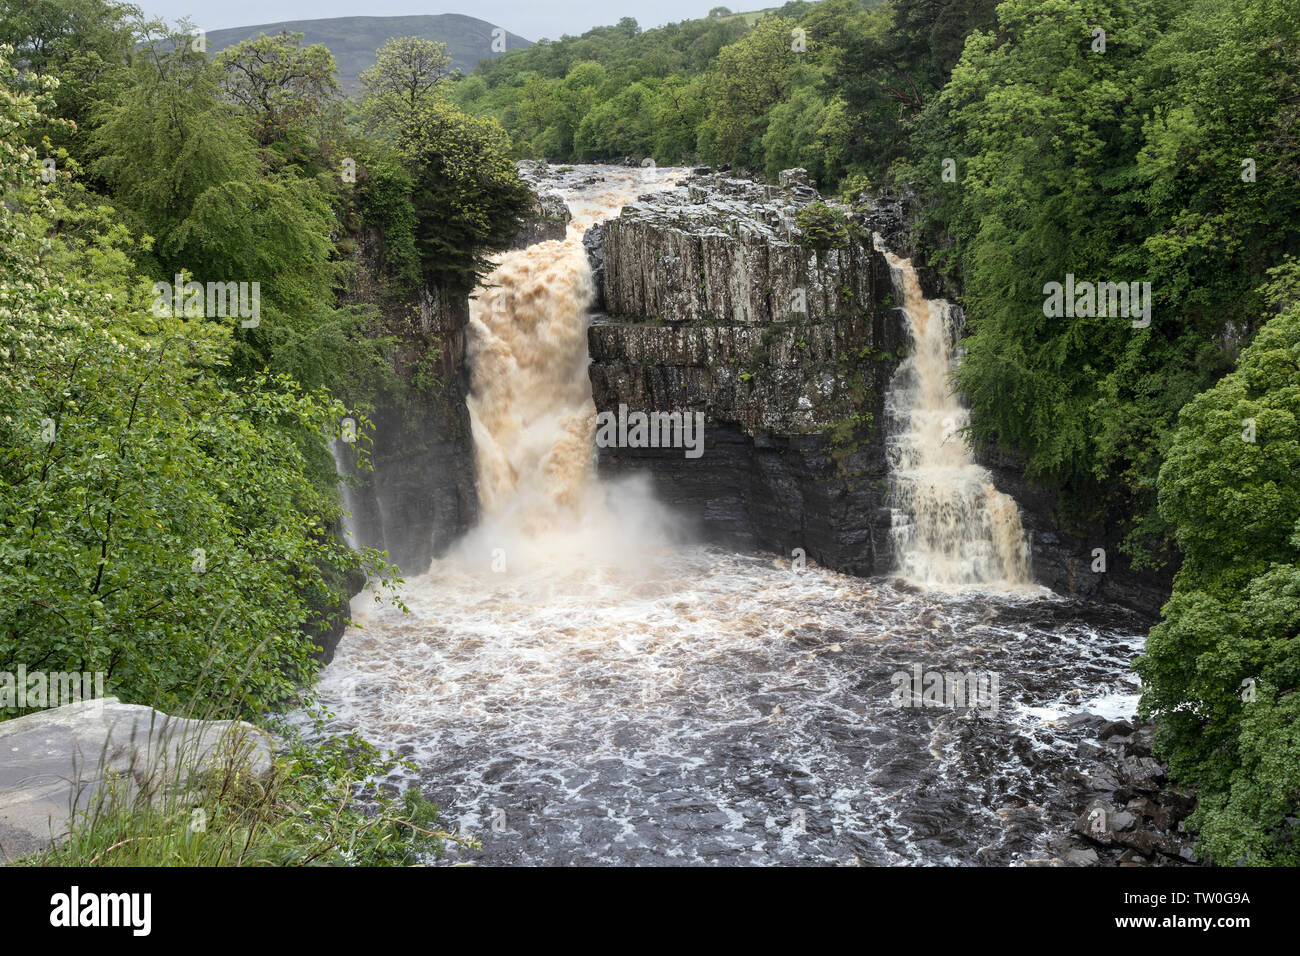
(214, 300)
(653, 430)
(919, 688)
(1127, 300)
(23, 689)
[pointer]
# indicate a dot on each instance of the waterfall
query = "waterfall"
(950, 525)
(596, 697)
(345, 489)
(530, 402)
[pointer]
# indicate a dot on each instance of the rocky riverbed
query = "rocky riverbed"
(667, 686)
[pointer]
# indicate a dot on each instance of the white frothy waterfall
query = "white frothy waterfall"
(345, 489)
(951, 526)
(531, 409)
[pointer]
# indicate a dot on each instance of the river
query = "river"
(577, 683)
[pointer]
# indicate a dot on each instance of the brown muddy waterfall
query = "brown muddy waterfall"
(575, 685)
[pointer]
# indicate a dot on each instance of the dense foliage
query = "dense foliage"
(828, 86)
(159, 521)
(169, 512)
(1132, 169)
(1223, 669)
(766, 93)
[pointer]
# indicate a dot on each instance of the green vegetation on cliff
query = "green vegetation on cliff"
(1223, 668)
(170, 508)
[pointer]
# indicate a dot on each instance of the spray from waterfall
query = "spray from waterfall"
(950, 525)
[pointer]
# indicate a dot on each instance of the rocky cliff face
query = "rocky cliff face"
(420, 495)
(712, 299)
(1064, 554)
(714, 303)
(550, 216)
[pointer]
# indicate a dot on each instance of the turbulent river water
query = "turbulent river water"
(577, 684)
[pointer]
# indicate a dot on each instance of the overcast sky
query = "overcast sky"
(531, 19)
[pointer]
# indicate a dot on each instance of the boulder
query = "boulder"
(1082, 857)
(60, 759)
(1143, 773)
(1113, 727)
(1097, 822)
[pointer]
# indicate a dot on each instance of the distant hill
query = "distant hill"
(354, 40)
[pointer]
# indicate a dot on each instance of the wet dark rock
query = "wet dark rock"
(549, 219)
(1095, 822)
(1180, 805)
(421, 494)
(1089, 749)
(1122, 820)
(1082, 719)
(1082, 857)
(1153, 813)
(1143, 841)
(1113, 727)
(1149, 822)
(1142, 773)
(1141, 742)
(591, 242)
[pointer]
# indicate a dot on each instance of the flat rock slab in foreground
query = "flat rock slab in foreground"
(50, 757)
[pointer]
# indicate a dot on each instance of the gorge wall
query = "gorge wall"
(712, 303)
(711, 299)
(420, 494)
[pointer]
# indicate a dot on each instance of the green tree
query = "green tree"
(1074, 160)
(1222, 670)
(281, 86)
(158, 522)
(186, 171)
(85, 44)
(750, 77)
(408, 76)
(468, 198)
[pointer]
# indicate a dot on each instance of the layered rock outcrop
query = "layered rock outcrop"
(712, 298)
(715, 302)
(550, 215)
